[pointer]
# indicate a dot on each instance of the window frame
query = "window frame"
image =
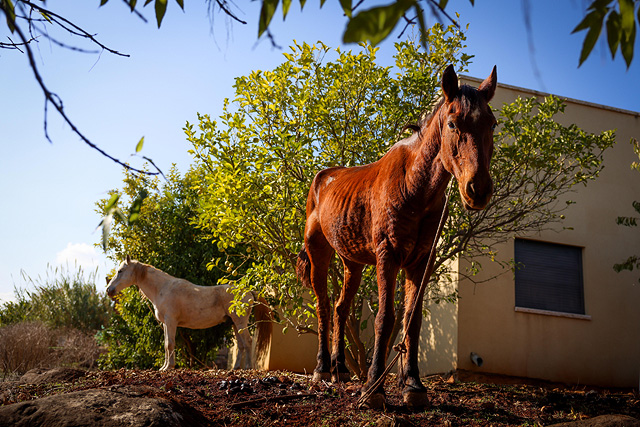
(539, 252)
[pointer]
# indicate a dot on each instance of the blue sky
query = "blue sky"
(49, 190)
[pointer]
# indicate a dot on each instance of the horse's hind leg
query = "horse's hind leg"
(169, 345)
(352, 277)
(320, 254)
(243, 340)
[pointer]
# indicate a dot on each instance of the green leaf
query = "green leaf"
(346, 6)
(266, 13)
(443, 3)
(139, 145)
(628, 22)
(136, 206)
(112, 202)
(375, 24)
(10, 15)
(103, 2)
(181, 4)
(613, 32)
(591, 20)
(132, 4)
(285, 8)
(595, 21)
(627, 221)
(161, 8)
(626, 47)
(422, 25)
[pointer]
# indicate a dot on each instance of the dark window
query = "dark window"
(549, 276)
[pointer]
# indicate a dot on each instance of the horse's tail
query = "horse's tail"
(303, 268)
(263, 319)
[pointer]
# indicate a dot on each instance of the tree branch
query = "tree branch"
(68, 26)
(52, 98)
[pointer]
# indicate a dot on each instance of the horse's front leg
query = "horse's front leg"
(352, 277)
(387, 270)
(414, 392)
(169, 345)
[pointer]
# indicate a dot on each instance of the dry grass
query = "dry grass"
(28, 345)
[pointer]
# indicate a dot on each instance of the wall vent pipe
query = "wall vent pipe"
(476, 359)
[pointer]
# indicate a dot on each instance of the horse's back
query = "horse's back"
(352, 208)
(339, 211)
(197, 307)
(345, 182)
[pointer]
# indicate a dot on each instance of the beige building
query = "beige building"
(590, 332)
(569, 317)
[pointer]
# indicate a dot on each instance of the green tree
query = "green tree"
(323, 108)
(633, 261)
(164, 236)
(27, 21)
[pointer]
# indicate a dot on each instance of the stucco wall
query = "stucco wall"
(291, 351)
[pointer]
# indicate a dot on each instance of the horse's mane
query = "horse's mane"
(140, 270)
(468, 98)
(429, 114)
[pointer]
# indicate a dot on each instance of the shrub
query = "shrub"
(28, 345)
(61, 300)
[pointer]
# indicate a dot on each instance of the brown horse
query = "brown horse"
(386, 214)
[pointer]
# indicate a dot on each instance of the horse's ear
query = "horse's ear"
(128, 259)
(488, 86)
(450, 83)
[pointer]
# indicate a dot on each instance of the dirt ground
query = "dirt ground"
(247, 398)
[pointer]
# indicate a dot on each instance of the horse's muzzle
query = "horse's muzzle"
(111, 292)
(476, 197)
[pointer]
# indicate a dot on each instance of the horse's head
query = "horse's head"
(125, 277)
(467, 125)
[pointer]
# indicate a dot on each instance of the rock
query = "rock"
(604, 421)
(97, 407)
(43, 376)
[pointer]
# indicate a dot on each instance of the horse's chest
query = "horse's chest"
(159, 314)
(407, 237)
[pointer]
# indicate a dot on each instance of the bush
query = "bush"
(52, 322)
(28, 345)
(61, 300)
(24, 346)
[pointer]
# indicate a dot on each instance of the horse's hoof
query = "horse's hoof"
(321, 376)
(415, 398)
(375, 401)
(341, 377)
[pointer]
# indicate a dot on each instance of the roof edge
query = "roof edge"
(573, 100)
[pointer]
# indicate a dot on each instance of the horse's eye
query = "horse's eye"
(451, 125)
(493, 126)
